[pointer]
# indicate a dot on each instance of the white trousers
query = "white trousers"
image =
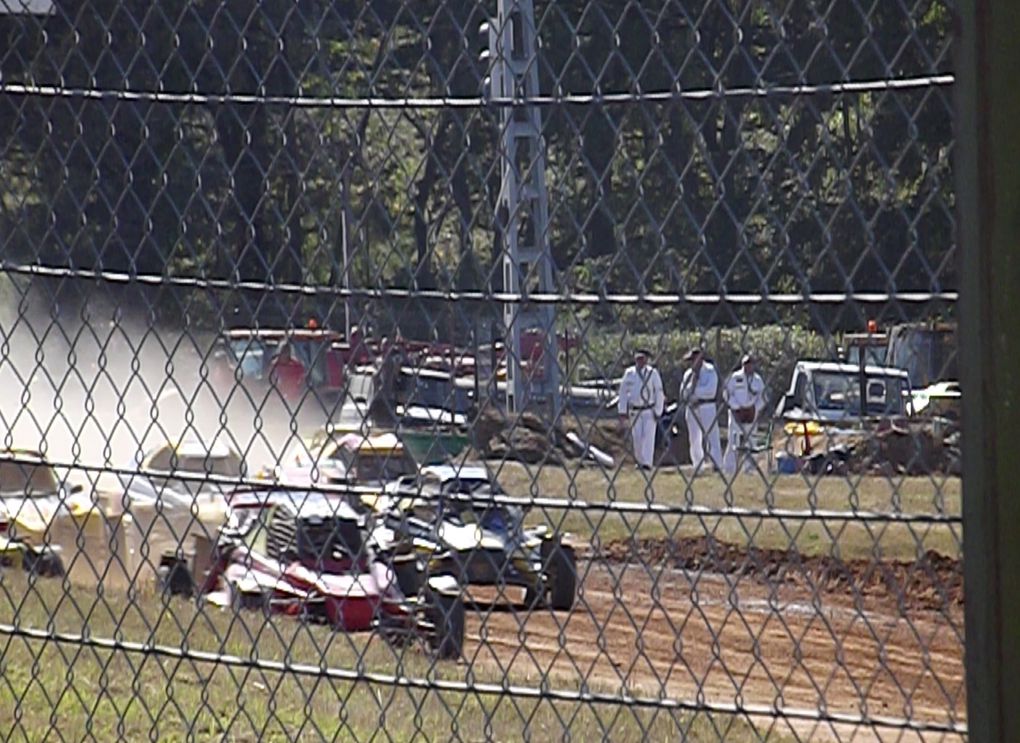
(703, 432)
(642, 429)
(736, 437)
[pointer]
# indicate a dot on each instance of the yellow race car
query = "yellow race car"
(39, 514)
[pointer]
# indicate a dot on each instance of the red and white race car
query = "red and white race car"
(309, 555)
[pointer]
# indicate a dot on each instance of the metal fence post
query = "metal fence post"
(989, 210)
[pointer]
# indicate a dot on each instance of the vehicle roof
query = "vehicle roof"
(877, 338)
(23, 454)
(317, 334)
(945, 326)
(373, 442)
(28, 471)
(446, 472)
(305, 502)
(842, 368)
(196, 448)
(430, 414)
(424, 373)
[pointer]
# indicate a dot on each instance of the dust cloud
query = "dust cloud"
(101, 388)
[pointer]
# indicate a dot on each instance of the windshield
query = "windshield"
(250, 355)
(873, 355)
(493, 516)
(312, 355)
(383, 467)
(841, 392)
(23, 478)
(222, 466)
(470, 485)
(928, 356)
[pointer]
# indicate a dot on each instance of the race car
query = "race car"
(170, 501)
(451, 517)
(34, 502)
(352, 457)
(307, 554)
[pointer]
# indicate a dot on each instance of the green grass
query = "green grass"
(49, 689)
(849, 540)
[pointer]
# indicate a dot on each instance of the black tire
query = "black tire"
(447, 615)
(45, 563)
(175, 578)
(244, 601)
(561, 574)
(534, 598)
(410, 576)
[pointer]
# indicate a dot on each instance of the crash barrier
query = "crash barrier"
(326, 411)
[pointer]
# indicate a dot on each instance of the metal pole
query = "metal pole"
(988, 205)
(474, 355)
(345, 194)
(523, 203)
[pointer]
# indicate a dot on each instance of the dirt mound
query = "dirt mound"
(931, 582)
(917, 448)
(533, 439)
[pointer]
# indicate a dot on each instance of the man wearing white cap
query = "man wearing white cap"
(641, 403)
(744, 394)
(698, 391)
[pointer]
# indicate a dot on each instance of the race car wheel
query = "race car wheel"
(534, 598)
(248, 601)
(174, 578)
(561, 574)
(45, 563)
(409, 574)
(446, 614)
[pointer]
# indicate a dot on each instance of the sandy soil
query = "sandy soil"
(726, 639)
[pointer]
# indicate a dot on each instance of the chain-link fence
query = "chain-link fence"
(466, 370)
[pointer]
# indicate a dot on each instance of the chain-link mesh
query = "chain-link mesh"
(466, 370)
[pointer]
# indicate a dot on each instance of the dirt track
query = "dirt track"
(655, 631)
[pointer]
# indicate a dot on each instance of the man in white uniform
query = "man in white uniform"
(698, 392)
(744, 394)
(641, 403)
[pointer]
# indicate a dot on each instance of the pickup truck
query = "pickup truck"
(831, 392)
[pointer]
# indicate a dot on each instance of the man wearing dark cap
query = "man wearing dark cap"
(744, 394)
(641, 403)
(698, 391)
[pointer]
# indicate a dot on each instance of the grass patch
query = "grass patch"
(50, 687)
(848, 540)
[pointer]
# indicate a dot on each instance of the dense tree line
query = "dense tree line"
(820, 192)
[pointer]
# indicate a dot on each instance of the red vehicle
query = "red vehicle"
(311, 555)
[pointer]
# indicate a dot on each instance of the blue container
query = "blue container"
(786, 465)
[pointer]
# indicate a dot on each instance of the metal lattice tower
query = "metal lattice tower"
(523, 207)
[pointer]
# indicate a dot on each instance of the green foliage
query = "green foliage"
(777, 349)
(779, 194)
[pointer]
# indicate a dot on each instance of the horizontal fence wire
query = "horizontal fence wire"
(263, 485)
(383, 293)
(435, 684)
(567, 99)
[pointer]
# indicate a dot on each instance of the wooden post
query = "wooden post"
(988, 205)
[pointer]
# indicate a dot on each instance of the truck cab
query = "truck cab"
(832, 392)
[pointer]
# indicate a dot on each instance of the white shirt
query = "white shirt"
(641, 389)
(702, 389)
(743, 391)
